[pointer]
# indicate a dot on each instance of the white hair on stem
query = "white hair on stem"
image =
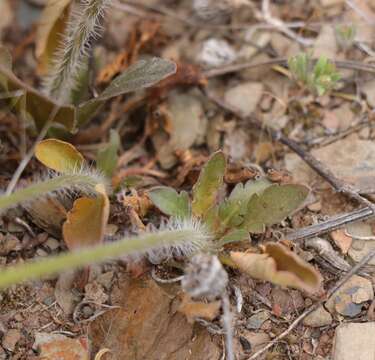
(80, 180)
(199, 239)
(68, 62)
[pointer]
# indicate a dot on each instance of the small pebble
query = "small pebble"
(87, 311)
(52, 243)
(10, 339)
(216, 52)
(40, 252)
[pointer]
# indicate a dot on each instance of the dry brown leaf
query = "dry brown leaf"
(59, 155)
(263, 152)
(51, 25)
(148, 326)
(186, 74)
(280, 266)
(342, 240)
(198, 309)
(114, 68)
(142, 34)
(48, 213)
(86, 222)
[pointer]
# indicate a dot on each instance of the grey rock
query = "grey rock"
(319, 317)
(257, 320)
(349, 298)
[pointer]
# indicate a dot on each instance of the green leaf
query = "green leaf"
(143, 74)
(318, 78)
(170, 202)
(232, 210)
(320, 66)
(234, 236)
(242, 193)
(107, 157)
(5, 58)
(299, 66)
(39, 107)
(210, 180)
(273, 205)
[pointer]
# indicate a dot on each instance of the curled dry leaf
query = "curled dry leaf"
(280, 266)
(51, 25)
(86, 222)
(59, 155)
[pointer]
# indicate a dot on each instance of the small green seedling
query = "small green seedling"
(319, 77)
(345, 36)
(249, 208)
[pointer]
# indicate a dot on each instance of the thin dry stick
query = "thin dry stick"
(219, 71)
(280, 26)
(21, 167)
(366, 120)
(331, 292)
(228, 327)
(331, 224)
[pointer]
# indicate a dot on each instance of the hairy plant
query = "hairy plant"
(69, 60)
(201, 241)
(81, 180)
(248, 209)
(203, 224)
(68, 261)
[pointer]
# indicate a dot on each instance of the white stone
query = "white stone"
(244, 97)
(216, 52)
(325, 43)
(354, 341)
(351, 159)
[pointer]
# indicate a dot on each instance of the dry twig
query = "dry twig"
(227, 69)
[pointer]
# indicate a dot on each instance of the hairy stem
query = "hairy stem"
(68, 261)
(59, 182)
(69, 59)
